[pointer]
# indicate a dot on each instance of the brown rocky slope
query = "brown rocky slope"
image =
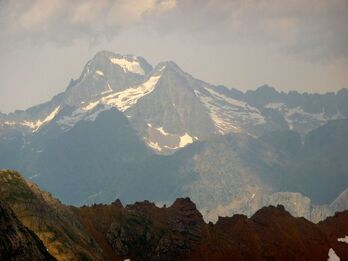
(143, 231)
(18, 242)
(54, 223)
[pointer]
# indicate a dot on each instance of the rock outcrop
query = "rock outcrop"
(143, 231)
(54, 223)
(17, 242)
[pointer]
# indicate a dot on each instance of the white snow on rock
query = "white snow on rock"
(223, 123)
(123, 100)
(99, 73)
(90, 106)
(35, 125)
(70, 121)
(154, 145)
(244, 110)
(162, 131)
(228, 113)
(10, 123)
(93, 116)
(343, 239)
(79, 114)
(128, 66)
(298, 115)
(185, 140)
(333, 256)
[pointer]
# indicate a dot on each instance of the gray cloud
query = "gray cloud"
(64, 21)
(316, 29)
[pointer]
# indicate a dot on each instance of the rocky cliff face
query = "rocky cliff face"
(55, 224)
(17, 242)
(143, 231)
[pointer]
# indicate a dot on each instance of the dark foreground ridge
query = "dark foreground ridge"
(18, 242)
(143, 231)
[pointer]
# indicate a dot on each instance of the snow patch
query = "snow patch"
(252, 112)
(123, 100)
(70, 121)
(227, 113)
(298, 115)
(333, 256)
(154, 145)
(185, 140)
(162, 131)
(223, 123)
(10, 123)
(99, 73)
(343, 239)
(90, 106)
(81, 114)
(35, 125)
(128, 66)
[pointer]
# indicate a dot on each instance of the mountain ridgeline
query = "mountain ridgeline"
(39, 227)
(128, 130)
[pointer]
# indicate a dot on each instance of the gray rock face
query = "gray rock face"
(341, 203)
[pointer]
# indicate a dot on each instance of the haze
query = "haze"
(291, 45)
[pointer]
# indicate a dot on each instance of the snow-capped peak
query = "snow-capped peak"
(131, 64)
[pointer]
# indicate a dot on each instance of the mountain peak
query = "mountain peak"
(168, 66)
(129, 63)
(267, 88)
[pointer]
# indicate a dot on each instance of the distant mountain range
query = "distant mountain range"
(127, 130)
(39, 227)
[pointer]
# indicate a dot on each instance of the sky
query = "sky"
(288, 44)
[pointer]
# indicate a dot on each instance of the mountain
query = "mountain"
(143, 231)
(54, 223)
(18, 242)
(302, 112)
(128, 130)
(321, 172)
(169, 108)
